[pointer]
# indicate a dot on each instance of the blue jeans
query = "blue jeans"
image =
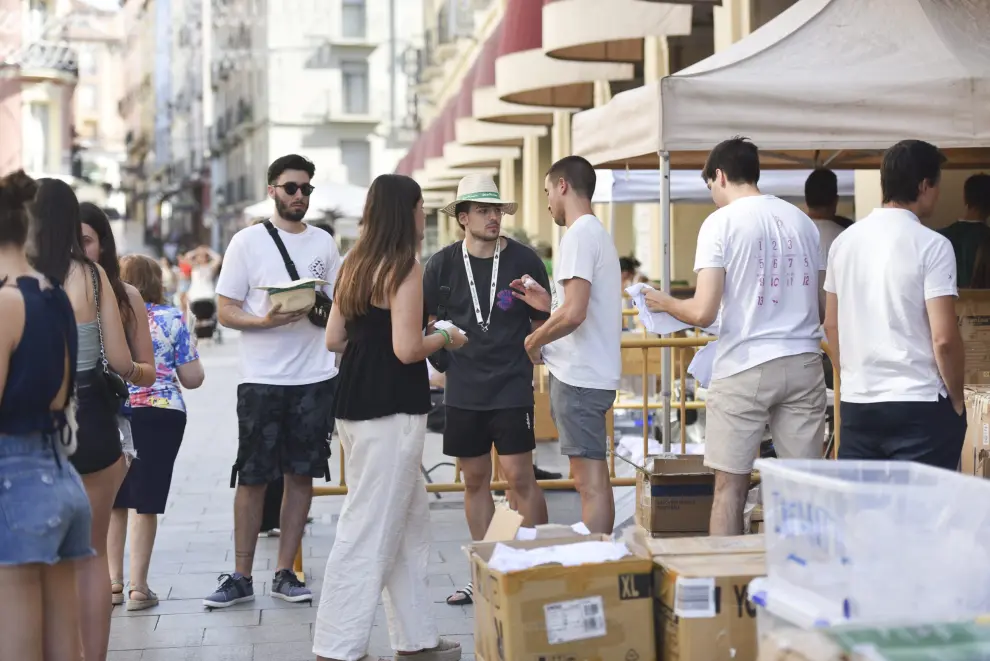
(44, 512)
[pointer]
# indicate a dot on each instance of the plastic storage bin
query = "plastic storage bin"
(878, 541)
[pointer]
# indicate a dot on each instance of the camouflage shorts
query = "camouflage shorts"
(283, 429)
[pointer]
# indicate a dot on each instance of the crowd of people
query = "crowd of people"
(94, 354)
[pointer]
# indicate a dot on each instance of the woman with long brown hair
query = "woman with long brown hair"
(382, 544)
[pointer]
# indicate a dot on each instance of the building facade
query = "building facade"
(325, 80)
(38, 75)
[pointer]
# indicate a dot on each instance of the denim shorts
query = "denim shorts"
(44, 512)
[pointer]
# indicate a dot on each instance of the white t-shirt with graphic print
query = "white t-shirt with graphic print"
(290, 355)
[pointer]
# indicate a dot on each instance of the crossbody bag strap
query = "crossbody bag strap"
(289, 265)
(99, 322)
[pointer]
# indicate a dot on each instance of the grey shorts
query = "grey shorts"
(579, 415)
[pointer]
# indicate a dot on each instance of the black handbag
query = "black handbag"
(114, 388)
(320, 312)
(441, 359)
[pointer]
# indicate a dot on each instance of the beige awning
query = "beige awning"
(471, 131)
(525, 75)
(459, 156)
(613, 31)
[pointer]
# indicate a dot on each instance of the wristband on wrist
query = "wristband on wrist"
(445, 334)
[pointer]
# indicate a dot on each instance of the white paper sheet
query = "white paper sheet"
(660, 323)
(701, 365)
(529, 534)
(443, 324)
(505, 558)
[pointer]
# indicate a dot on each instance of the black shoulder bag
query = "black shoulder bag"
(320, 313)
(115, 391)
(441, 359)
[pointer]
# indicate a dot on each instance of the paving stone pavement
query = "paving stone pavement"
(195, 545)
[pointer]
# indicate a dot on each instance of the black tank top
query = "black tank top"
(37, 365)
(373, 382)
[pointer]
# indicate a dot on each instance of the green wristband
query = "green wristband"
(446, 335)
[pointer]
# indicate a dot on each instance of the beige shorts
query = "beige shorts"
(788, 393)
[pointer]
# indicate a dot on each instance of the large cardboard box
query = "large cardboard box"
(592, 612)
(702, 606)
(973, 311)
(976, 448)
(674, 494)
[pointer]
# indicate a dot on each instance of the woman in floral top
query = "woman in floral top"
(158, 422)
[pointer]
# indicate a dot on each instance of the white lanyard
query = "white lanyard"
(484, 323)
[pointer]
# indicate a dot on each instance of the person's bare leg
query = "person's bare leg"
(592, 482)
(92, 574)
(529, 499)
(22, 614)
(116, 538)
(296, 499)
(729, 503)
(479, 507)
(144, 527)
(61, 612)
(248, 502)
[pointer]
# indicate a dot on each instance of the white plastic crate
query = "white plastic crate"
(878, 541)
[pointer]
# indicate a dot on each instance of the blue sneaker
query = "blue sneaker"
(289, 588)
(233, 589)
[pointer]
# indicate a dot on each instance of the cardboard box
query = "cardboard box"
(674, 495)
(702, 606)
(976, 448)
(694, 546)
(594, 612)
(973, 311)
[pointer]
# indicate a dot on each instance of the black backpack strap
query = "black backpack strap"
(289, 265)
(444, 294)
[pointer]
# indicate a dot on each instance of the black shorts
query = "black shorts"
(98, 436)
(283, 429)
(472, 433)
(927, 432)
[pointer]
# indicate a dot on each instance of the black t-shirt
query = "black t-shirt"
(492, 371)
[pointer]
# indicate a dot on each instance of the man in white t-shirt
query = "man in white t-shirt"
(758, 262)
(285, 398)
(580, 342)
(890, 311)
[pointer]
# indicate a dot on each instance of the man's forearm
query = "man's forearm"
(687, 310)
(235, 318)
(951, 361)
(557, 326)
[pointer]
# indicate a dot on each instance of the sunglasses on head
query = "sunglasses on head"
(292, 188)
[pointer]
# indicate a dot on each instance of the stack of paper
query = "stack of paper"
(660, 323)
(505, 558)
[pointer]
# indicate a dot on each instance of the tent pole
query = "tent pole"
(665, 353)
(611, 215)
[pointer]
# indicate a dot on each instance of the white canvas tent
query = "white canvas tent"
(631, 186)
(827, 82)
(827, 79)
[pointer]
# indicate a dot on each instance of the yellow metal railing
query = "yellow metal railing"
(678, 345)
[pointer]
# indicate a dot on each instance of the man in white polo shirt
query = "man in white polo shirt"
(890, 310)
(758, 261)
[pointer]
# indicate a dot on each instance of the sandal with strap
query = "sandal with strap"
(116, 598)
(141, 604)
(467, 599)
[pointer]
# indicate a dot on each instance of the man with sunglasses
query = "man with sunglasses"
(488, 394)
(285, 398)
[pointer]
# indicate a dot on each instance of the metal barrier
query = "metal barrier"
(678, 345)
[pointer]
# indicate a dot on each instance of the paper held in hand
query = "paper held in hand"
(443, 324)
(296, 296)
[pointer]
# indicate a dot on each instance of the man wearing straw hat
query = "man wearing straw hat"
(489, 383)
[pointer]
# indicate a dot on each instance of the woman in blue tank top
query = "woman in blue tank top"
(44, 513)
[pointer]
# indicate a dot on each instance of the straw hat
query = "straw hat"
(482, 189)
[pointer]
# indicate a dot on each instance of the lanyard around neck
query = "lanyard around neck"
(484, 323)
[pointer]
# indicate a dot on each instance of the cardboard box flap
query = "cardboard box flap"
(504, 526)
(699, 545)
(714, 565)
(671, 465)
(484, 550)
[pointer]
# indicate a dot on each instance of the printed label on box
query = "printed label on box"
(579, 619)
(694, 597)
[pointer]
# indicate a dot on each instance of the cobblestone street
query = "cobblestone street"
(195, 545)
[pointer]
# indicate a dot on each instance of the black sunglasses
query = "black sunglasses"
(292, 188)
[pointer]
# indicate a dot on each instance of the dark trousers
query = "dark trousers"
(271, 512)
(926, 432)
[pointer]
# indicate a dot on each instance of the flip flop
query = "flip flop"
(116, 598)
(141, 604)
(467, 599)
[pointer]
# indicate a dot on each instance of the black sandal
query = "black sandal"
(465, 600)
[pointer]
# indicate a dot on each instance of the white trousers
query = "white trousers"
(382, 546)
